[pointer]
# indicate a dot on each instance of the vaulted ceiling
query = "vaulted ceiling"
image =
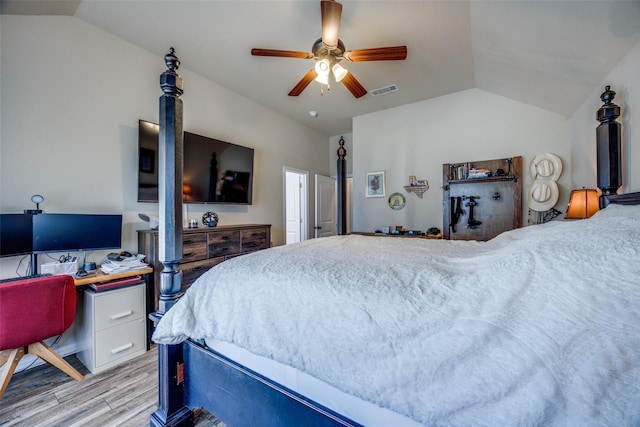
(550, 54)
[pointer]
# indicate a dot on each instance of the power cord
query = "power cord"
(28, 266)
(61, 258)
(65, 258)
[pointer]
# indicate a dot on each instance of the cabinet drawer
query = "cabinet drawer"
(120, 341)
(224, 243)
(194, 247)
(192, 270)
(254, 239)
(119, 306)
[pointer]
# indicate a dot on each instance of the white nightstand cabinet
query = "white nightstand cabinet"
(111, 326)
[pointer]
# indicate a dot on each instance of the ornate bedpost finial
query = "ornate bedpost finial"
(342, 152)
(172, 61)
(170, 81)
(609, 111)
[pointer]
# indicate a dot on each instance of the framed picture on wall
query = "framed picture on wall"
(375, 184)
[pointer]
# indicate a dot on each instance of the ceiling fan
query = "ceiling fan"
(328, 51)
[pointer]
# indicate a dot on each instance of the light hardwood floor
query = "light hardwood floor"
(125, 395)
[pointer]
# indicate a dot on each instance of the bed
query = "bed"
(538, 326)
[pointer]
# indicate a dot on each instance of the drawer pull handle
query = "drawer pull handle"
(188, 254)
(198, 268)
(121, 348)
(121, 315)
(187, 242)
(225, 237)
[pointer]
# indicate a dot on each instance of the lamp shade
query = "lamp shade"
(323, 79)
(582, 204)
(339, 72)
(322, 67)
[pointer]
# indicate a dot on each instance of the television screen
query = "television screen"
(148, 161)
(15, 234)
(214, 171)
(76, 232)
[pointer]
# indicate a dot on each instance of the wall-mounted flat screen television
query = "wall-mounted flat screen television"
(76, 232)
(214, 171)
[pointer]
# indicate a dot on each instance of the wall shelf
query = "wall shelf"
(418, 190)
(487, 205)
(487, 179)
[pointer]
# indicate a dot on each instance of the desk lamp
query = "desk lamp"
(37, 199)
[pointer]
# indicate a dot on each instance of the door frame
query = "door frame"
(304, 201)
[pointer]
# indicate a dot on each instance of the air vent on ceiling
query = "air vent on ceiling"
(384, 90)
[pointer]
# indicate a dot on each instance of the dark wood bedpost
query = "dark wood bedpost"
(609, 146)
(342, 188)
(171, 409)
(170, 183)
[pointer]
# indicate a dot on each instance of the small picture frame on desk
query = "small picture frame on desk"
(375, 184)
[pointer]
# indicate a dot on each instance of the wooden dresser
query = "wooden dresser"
(202, 248)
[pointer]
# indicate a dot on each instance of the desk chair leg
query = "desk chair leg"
(10, 359)
(45, 352)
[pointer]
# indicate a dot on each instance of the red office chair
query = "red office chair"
(32, 310)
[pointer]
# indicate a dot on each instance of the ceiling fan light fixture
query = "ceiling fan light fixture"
(328, 50)
(323, 79)
(322, 67)
(339, 72)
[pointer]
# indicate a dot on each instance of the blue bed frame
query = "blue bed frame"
(202, 378)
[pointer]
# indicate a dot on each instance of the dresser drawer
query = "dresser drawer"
(194, 247)
(254, 239)
(120, 342)
(119, 306)
(224, 243)
(202, 248)
(192, 270)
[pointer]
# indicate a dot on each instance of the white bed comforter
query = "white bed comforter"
(537, 327)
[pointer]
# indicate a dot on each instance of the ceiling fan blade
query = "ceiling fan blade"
(304, 82)
(392, 53)
(331, 13)
(353, 85)
(281, 53)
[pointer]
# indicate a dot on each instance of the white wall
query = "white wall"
(625, 81)
(72, 95)
(417, 139)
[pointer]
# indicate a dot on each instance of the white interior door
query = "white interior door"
(326, 210)
(295, 206)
